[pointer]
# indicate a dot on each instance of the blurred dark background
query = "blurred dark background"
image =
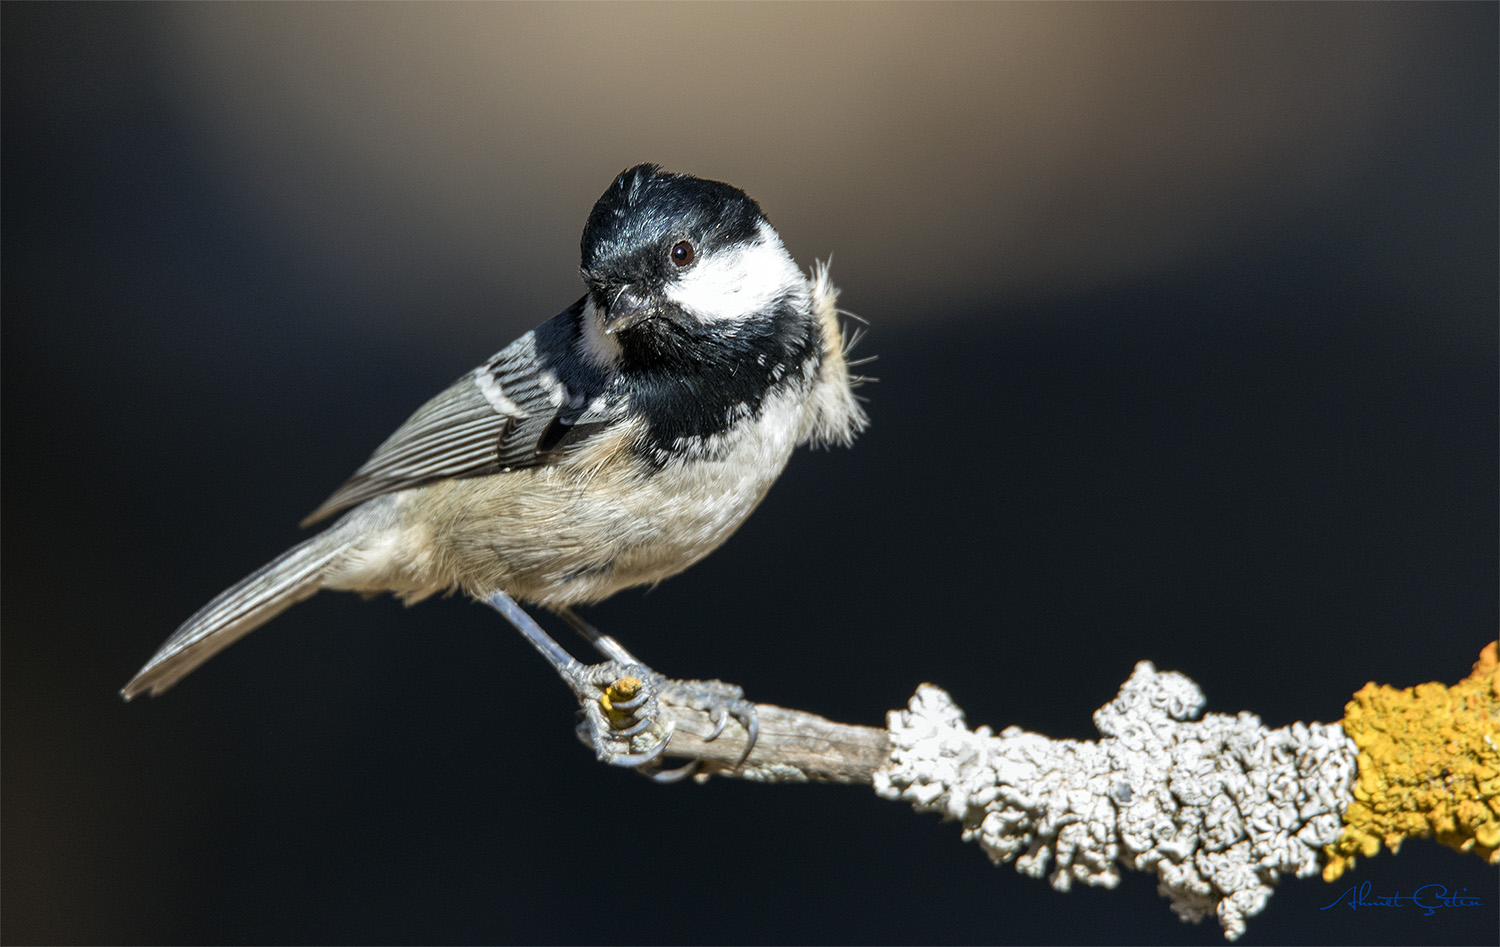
(1186, 319)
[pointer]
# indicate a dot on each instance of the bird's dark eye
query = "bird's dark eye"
(682, 254)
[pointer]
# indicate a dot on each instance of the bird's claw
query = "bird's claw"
(721, 701)
(720, 717)
(621, 717)
(668, 776)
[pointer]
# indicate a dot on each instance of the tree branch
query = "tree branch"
(793, 747)
(1219, 807)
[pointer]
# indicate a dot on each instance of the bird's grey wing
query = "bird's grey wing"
(522, 408)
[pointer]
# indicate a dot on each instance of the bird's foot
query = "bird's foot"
(621, 715)
(622, 698)
(622, 718)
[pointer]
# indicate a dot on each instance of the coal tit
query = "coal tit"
(613, 446)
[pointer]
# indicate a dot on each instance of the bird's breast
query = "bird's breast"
(607, 517)
(671, 515)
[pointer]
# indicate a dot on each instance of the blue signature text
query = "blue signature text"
(1429, 898)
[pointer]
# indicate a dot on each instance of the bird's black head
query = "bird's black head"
(695, 309)
(637, 222)
(651, 228)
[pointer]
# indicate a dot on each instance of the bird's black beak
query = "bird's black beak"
(628, 306)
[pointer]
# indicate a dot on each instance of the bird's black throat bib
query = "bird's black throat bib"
(692, 381)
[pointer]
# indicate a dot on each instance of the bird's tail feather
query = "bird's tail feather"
(291, 577)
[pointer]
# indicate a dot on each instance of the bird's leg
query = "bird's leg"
(719, 700)
(621, 716)
(604, 644)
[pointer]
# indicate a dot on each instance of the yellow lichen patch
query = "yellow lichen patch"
(1429, 765)
(621, 691)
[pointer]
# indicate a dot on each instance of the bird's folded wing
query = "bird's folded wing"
(512, 412)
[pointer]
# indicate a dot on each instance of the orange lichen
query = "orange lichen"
(621, 691)
(1429, 765)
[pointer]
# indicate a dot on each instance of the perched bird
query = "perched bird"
(614, 445)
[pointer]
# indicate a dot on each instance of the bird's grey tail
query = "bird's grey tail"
(292, 577)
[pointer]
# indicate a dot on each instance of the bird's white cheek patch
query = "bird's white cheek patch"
(594, 344)
(738, 283)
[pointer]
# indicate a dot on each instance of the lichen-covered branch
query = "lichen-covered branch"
(1219, 807)
(1429, 765)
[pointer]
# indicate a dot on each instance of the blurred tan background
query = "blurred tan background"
(1186, 317)
(994, 149)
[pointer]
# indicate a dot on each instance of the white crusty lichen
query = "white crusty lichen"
(1219, 808)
